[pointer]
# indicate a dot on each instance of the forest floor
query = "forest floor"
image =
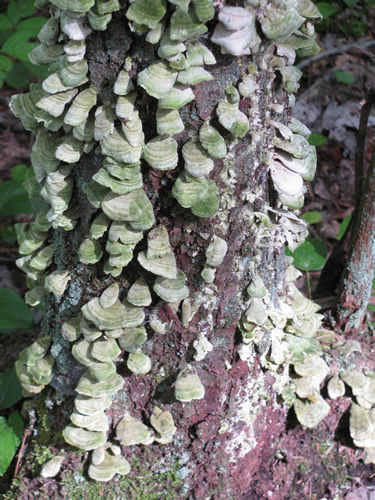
(317, 464)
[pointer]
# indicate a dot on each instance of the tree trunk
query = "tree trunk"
(223, 437)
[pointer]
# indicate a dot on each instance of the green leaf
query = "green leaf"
(14, 313)
(351, 3)
(10, 389)
(18, 46)
(18, 76)
(312, 217)
(5, 63)
(11, 434)
(8, 234)
(310, 256)
(344, 77)
(40, 72)
(344, 224)
(18, 10)
(317, 139)
(5, 23)
(13, 199)
(31, 27)
(326, 9)
(21, 173)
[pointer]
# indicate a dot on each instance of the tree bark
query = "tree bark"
(222, 438)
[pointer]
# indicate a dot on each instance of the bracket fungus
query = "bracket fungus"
(94, 145)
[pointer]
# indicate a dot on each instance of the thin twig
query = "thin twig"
(333, 52)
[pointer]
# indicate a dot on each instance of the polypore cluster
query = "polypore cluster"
(70, 120)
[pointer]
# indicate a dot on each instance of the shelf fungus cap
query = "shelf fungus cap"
(280, 20)
(108, 467)
(55, 104)
(361, 426)
(199, 55)
(139, 363)
(235, 31)
(188, 385)
(91, 406)
(147, 12)
(189, 190)
(336, 387)
(89, 331)
(52, 467)
(109, 296)
(102, 370)
(99, 226)
(194, 75)
(95, 422)
(358, 382)
(212, 141)
(208, 205)
(313, 366)
(128, 207)
(216, 251)
(185, 25)
(305, 387)
(81, 351)
(288, 184)
(161, 266)
(256, 312)
(198, 162)
(83, 439)
(172, 290)
(36, 351)
(105, 318)
(161, 153)
(105, 350)
(88, 386)
(90, 251)
(157, 79)
(118, 147)
(56, 282)
(132, 339)
(139, 294)
(158, 242)
(257, 288)
(311, 413)
(80, 108)
(123, 84)
(132, 431)
(168, 122)
(125, 233)
(178, 96)
(104, 122)
(162, 422)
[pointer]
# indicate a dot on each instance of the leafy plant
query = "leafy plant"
(13, 196)
(310, 256)
(15, 35)
(14, 313)
(317, 139)
(10, 389)
(344, 224)
(344, 77)
(11, 433)
(350, 3)
(312, 217)
(326, 9)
